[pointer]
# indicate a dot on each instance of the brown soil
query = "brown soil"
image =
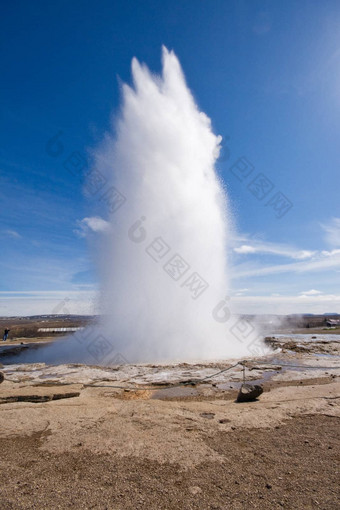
(317, 331)
(294, 465)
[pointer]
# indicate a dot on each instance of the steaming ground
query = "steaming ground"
(163, 252)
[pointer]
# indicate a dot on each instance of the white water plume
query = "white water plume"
(163, 260)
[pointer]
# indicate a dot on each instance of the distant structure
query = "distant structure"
(58, 330)
(331, 323)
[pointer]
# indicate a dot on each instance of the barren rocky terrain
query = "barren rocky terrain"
(172, 436)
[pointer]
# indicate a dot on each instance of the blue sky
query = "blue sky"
(268, 75)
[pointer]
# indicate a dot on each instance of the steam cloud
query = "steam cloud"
(162, 254)
(163, 260)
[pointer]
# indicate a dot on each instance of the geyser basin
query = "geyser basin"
(163, 251)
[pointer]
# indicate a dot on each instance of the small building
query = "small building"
(58, 330)
(332, 323)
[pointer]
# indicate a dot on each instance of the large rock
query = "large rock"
(249, 392)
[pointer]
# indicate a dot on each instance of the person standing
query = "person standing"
(6, 334)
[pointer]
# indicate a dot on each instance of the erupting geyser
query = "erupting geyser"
(163, 259)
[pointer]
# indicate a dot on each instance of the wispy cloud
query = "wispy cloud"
(303, 261)
(320, 262)
(48, 302)
(31, 272)
(240, 292)
(289, 304)
(330, 253)
(332, 232)
(85, 302)
(282, 250)
(10, 233)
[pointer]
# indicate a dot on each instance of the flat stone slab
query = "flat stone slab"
(37, 398)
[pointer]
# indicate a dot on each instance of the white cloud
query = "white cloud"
(312, 292)
(332, 230)
(245, 249)
(330, 253)
(93, 223)
(304, 254)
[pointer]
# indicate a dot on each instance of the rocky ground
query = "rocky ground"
(172, 436)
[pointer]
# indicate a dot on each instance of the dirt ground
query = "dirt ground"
(81, 436)
(113, 449)
(294, 465)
